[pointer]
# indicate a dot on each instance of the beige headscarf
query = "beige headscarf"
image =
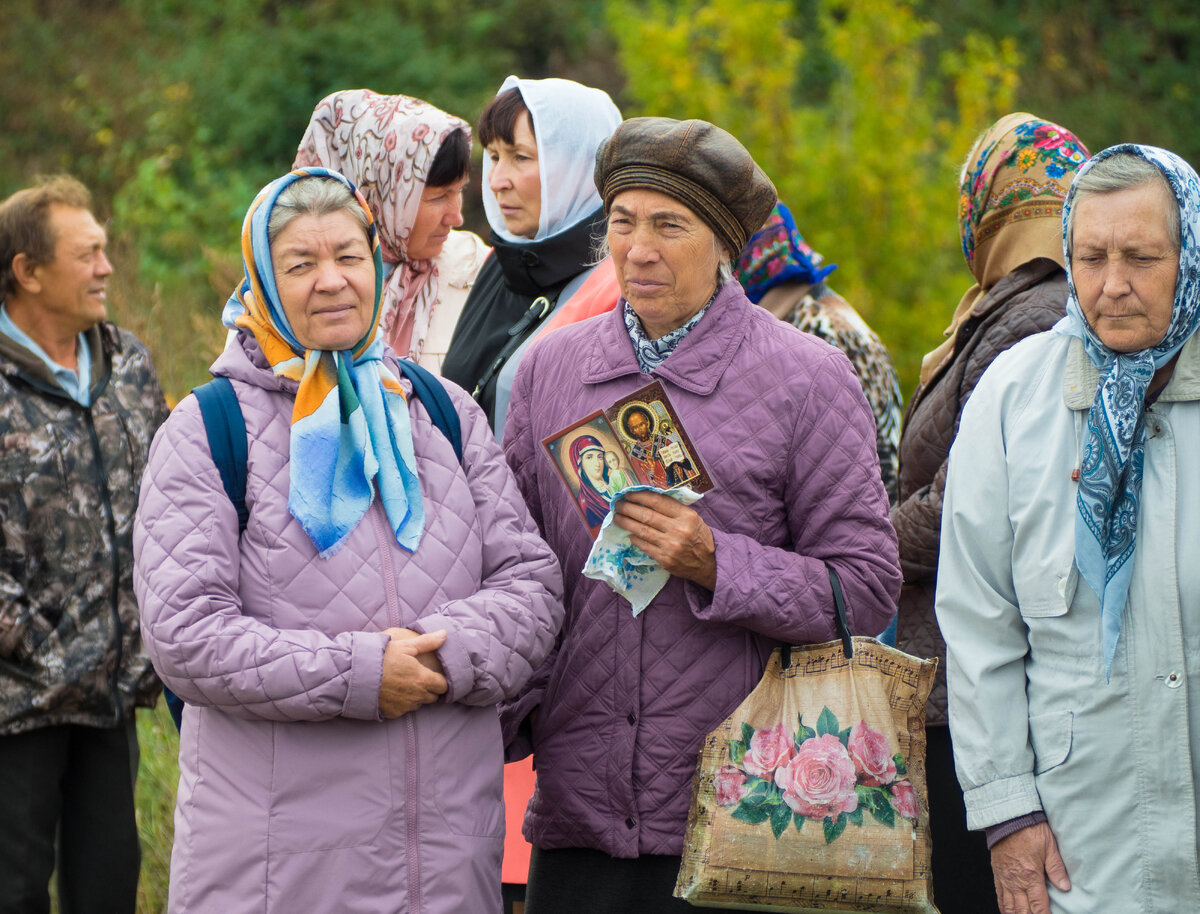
(386, 144)
(1010, 208)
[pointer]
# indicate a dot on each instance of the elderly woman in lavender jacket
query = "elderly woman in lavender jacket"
(615, 717)
(343, 657)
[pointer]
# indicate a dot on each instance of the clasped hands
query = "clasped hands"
(412, 673)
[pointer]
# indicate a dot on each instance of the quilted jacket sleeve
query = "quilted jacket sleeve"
(520, 452)
(499, 635)
(186, 564)
(978, 613)
(837, 514)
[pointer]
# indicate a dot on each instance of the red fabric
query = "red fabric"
(597, 295)
(518, 788)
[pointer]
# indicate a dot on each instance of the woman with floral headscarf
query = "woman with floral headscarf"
(782, 273)
(1067, 591)
(412, 164)
(342, 656)
(1010, 220)
(540, 137)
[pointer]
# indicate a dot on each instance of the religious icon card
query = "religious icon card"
(639, 440)
(659, 449)
(593, 466)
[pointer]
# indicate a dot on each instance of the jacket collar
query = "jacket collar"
(102, 341)
(1081, 377)
(698, 361)
(532, 267)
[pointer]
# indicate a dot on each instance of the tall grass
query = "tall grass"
(158, 775)
(180, 323)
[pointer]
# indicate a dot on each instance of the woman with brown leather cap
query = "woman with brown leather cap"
(616, 715)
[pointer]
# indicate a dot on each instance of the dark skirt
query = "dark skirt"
(584, 881)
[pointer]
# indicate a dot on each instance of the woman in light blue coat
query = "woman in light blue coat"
(1069, 606)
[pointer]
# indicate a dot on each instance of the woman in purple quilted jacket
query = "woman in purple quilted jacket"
(342, 658)
(615, 716)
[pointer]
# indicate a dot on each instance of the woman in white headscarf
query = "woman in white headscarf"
(540, 137)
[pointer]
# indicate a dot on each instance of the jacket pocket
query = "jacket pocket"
(1050, 735)
(1048, 597)
(331, 784)
(462, 756)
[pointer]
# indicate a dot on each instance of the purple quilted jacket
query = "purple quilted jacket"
(294, 795)
(779, 419)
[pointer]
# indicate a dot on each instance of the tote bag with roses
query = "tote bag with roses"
(811, 796)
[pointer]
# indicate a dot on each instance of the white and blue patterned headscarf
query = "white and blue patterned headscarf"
(1110, 481)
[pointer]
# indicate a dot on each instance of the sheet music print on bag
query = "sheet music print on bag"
(744, 845)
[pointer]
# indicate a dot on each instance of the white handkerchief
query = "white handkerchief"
(622, 565)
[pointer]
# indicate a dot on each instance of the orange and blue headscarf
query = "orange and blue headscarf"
(351, 431)
(778, 253)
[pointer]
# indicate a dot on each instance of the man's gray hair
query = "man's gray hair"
(1122, 171)
(315, 195)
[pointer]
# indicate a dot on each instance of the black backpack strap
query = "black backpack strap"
(429, 390)
(226, 430)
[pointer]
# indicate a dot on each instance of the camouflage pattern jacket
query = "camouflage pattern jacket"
(70, 643)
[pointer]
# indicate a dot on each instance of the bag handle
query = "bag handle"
(843, 627)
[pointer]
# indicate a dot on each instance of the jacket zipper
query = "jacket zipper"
(114, 597)
(384, 539)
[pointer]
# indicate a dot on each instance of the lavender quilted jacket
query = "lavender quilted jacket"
(294, 795)
(779, 419)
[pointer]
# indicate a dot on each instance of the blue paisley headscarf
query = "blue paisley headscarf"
(1114, 444)
(351, 436)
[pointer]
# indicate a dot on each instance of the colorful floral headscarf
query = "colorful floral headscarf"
(386, 144)
(1114, 445)
(351, 431)
(1010, 208)
(777, 253)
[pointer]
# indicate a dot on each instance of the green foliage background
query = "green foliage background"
(175, 113)
(861, 110)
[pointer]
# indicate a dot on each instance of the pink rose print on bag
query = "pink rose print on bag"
(820, 780)
(730, 784)
(905, 799)
(768, 750)
(828, 775)
(872, 756)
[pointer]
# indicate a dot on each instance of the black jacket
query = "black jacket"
(499, 314)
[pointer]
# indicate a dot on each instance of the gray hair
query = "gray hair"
(1122, 171)
(601, 250)
(315, 195)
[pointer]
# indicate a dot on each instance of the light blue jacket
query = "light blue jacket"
(1113, 764)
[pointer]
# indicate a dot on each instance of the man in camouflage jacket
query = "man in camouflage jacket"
(79, 404)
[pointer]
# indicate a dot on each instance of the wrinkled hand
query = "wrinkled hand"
(670, 533)
(412, 673)
(1021, 864)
